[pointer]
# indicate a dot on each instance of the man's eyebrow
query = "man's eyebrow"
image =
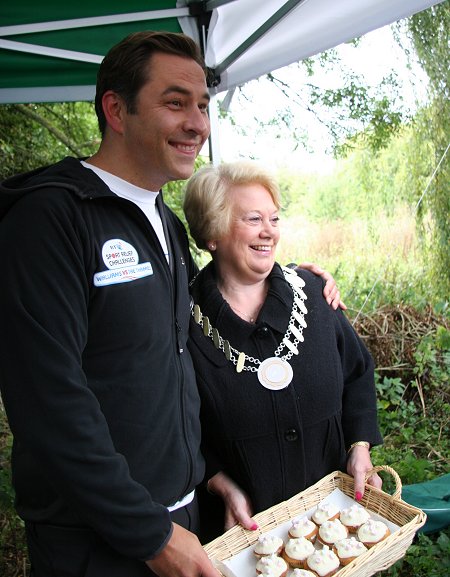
(183, 90)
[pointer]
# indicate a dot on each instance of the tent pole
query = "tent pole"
(214, 147)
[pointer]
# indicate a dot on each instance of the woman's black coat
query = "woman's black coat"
(274, 444)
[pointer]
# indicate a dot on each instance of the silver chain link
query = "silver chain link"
(234, 353)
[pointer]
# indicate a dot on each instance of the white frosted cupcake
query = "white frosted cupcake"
(348, 549)
(332, 531)
(372, 532)
(302, 573)
(268, 545)
(353, 517)
(297, 551)
(303, 527)
(325, 512)
(323, 562)
(271, 566)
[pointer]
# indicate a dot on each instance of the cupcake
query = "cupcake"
(296, 552)
(302, 573)
(372, 532)
(353, 517)
(348, 549)
(303, 527)
(268, 545)
(332, 531)
(325, 512)
(323, 562)
(271, 566)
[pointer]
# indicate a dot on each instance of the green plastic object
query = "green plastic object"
(433, 497)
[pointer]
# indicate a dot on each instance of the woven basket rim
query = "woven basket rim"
(379, 557)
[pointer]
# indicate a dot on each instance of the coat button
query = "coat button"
(262, 332)
(291, 435)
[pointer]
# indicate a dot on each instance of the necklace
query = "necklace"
(275, 372)
(250, 317)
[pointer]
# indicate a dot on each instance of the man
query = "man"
(98, 386)
(94, 313)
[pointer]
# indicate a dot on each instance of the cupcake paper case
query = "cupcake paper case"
(372, 532)
(323, 562)
(325, 512)
(297, 551)
(348, 549)
(268, 545)
(271, 566)
(303, 527)
(332, 531)
(353, 517)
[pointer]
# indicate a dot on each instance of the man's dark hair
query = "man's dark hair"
(125, 69)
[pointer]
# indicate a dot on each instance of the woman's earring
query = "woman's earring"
(212, 246)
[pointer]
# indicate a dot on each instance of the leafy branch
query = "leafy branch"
(58, 134)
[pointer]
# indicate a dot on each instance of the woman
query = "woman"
(287, 387)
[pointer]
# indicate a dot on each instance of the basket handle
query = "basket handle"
(398, 483)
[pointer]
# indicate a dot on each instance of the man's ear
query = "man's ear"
(114, 109)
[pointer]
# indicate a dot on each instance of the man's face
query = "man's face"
(171, 122)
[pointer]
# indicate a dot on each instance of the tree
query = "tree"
(326, 91)
(33, 135)
(430, 35)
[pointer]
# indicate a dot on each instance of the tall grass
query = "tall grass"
(379, 256)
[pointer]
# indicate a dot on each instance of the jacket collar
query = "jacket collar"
(275, 312)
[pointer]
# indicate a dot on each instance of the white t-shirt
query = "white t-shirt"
(144, 199)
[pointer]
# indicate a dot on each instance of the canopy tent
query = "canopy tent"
(50, 51)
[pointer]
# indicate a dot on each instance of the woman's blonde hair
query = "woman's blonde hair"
(206, 203)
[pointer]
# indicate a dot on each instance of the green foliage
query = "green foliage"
(417, 444)
(427, 557)
(414, 416)
(377, 119)
(430, 34)
(173, 196)
(390, 393)
(12, 536)
(35, 135)
(6, 492)
(369, 192)
(433, 358)
(367, 182)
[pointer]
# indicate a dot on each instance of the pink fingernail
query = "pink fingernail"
(254, 527)
(358, 496)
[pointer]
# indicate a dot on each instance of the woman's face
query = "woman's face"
(247, 252)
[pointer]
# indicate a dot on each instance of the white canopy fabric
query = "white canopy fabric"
(286, 32)
(50, 51)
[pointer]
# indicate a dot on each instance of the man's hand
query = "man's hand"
(330, 291)
(183, 556)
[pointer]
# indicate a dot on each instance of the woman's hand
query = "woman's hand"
(358, 464)
(330, 291)
(238, 507)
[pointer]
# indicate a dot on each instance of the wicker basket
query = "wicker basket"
(377, 558)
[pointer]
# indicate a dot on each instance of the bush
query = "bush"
(414, 411)
(13, 556)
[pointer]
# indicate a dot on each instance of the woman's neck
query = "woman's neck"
(245, 300)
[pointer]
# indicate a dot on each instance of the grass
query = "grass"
(380, 258)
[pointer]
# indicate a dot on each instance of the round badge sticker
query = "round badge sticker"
(118, 253)
(275, 374)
